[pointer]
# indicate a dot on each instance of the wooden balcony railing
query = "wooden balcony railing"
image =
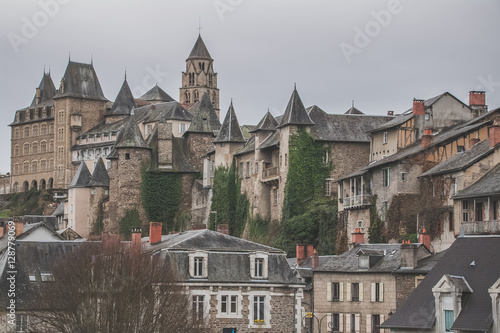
(481, 227)
(270, 172)
(357, 201)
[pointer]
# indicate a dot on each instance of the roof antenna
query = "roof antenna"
(91, 59)
(295, 86)
(199, 25)
(352, 103)
(125, 74)
(69, 55)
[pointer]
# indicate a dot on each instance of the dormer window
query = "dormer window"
(258, 266)
(198, 265)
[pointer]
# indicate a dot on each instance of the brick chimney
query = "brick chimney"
(302, 252)
(409, 257)
(154, 232)
(223, 228)
(390, 113)
(358, 236)
(477, 102)
(474, 141)
(425, 238)
(315, 259)
(427, 138)
(19, 227)
(494, 132)
(418, 107)
(136, 239)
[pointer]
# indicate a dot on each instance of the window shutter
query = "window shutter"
(382, 319)
(328, 291)
(191, 265)
(369, 323)
(204, 268)
(180, 128)
(348, 322)
(381, 290)
(341, 291)
(348, 287)
(329, 321)
(361, 292)
(357, 322)
(252, 265)
(264, 273)
(341, 322)
(373, 292)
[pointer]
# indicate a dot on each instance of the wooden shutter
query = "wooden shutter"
(348, 322)
(382, 319)
(328, 291)
(341, 291)
(252, 265)
(341, 322)
(348, 287)
(357, 322)
(373, 290)
(369, 322)
(381, 291)
(361, 292)
(265, 268)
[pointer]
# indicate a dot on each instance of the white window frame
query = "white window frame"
(204, 270)
(229, 313)
(46, 277)
(384, 138)
(267, 309)
(386, 177)
(24, 323)
(253, 260)
(206, 302)
(404, 176)
(328, 187)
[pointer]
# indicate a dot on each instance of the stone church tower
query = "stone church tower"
(199, 78)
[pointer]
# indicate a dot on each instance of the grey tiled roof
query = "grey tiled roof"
(268, 123)
(124, 101)
(205, 119)
(353, 110)
(249, 147)
(156, 94)
(100, 177)
(230, 130)
(82, 176)
(461, 161)
(272, 140)
(295, 112)
(105, 128)
(418, 312)
(156, 112)
(80, 80)
(130, 136)
(47, 90)
(487, 185)
(199, 50)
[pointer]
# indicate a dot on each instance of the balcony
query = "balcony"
(270, 174)
(357, 201)
(481, 227)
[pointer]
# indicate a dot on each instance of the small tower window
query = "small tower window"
(127, 156)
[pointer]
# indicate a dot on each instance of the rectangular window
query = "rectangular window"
(259, 310)
(223, 304)
(328, 187)
(240, 171)
(385, 175)
(355, 292)
(275, 196)
(47, 277)
(248, 169)
(259, 267)
(479, 212)
(448, 320)
(375, 323)
(384, 140)
(465, 211)
(21, 323)
(198, 305)
(377, 292)
(353, 323)
(335, 322)
(198, 267)
(182, 128)
(403, 176)
(335, 292)
(495, 211)
(234, 304)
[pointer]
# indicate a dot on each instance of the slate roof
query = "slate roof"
(418, 312)
(230, 130)
(130, 136)
(268, 123)
(461, 161)
(80, 80)
(100, 177)
(272, 140)
(353, 110)
(343, 127)
(168, 110)
(104, 128)
(156, 94)
(295, 112)
(205, 119)
(29, 228)
(249, 147)
(123, 103)
(199, 50)
(47, 90)
(82, 176)
(59, 210)
(485, 186)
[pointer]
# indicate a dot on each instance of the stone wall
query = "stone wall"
(347, 157)
(405, 284)
(199, 145)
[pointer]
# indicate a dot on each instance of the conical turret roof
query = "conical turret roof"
(82, 176)
(295, 112)
(268, 123)
(205, 120)
(230, 130)
(130, 136)
(100, 177)
(47, 89)
(156, 94)
(199, 50)
(80, 80)
(124, 101)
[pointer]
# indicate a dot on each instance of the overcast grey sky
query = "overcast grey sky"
(382, 53)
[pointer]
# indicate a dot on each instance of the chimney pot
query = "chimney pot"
(418, 107)
(477, 98)
(390, 113)
(358, 236)
(19, 227)
(427, 138)
(425, 239)
(154, 232)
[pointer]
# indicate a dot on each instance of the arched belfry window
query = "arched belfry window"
(196, 96)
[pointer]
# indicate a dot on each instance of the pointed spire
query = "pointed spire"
(124, 101)
(91, 59)
(268, 123)
(47, 89)
(82, 176)
(130, 136)
(199, 50)
(100, 177)
(295, 112)
(125, 74)
(205, 119)
(230, 130)
(156, 94)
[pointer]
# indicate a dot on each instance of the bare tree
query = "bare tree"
(112, 289)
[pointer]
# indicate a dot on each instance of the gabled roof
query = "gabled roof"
(272, 140)
(124, 101)
(100, 177)
(487, 185)
(82, 176)
(205, 119)
(461, 161)
(130, 136)
(268, 123)
(230, 130)
(249, 147)
(156, 94)
(295, 112)
(30, 228)
(199, 50)
(156, 112)
(476, 313)
(80, 80)
(353, 110)
(47, 90)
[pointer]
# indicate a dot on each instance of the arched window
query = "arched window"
(214, 97)
(34, 130)
(34, 148)
(196, 96)
(51, 129)
(26, 168)
(27, 132)
(51, 165)
(26, 149)
(106, 151)
(187, 96)
(191, 79)
(51, 145)
(43, 129)
(16, 150)
(34, 166)
(16, 133)
(43, 147)
(43, 165)
(60, 134)
(16, 169)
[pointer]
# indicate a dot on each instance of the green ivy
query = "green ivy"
(375, 231)
(230, 205)
(127, 222)
(161, 194)
(99, 223)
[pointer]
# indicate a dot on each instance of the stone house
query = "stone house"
(357, 290)
(460, 294)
